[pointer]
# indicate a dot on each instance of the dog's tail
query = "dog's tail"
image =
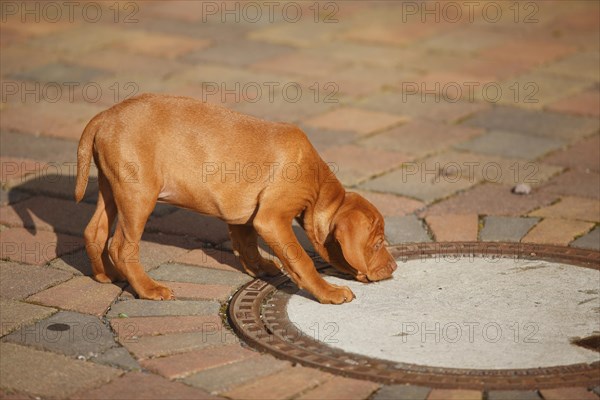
(84, 157)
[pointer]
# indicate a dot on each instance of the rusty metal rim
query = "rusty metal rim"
(257, 312)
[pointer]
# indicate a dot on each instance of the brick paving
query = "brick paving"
(434, 121)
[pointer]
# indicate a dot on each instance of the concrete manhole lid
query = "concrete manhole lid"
(471, 315)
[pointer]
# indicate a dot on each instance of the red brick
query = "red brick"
(180, 365)
(284, 384)
(452, 394)
(584, 103)
(14, 170)
(571, 208)
(127, 328)
(21, 245)
(211, 258)
(194, 291)
(528, 52)
(160, 45)
(579, 393)
(575, 183)
(556, 231)
(583, 155)
(355, 120)
(143, 386)
(81, 294)
(184, 222)
(391, 205)
(454, 227)
(341, 388)
(18, 281)
(300, 64)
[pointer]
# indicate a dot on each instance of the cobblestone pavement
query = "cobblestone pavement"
(433, 111)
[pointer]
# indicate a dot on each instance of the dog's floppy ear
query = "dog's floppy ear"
(352, 236)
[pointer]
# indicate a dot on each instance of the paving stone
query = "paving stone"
(16, 170)
(160, 45)
(586, 103)
(181, 365)
(505, 229)
(283, 384)
(237, 373)
(12, 196)
(575, 183)
(19, 244)
(589, 241)
(341, 388)
(16, 314)
(580, 393)
(153, 308)
(228, 53)
(157, 248)
(490, 199)
(454, 228)
(556, 231)
(583, 155)
(143, 386)
(82, 294)
(299, 34)
(571, 208)
(77, 263)
(164, 345)
(211, 258)
(417, 181)
(117, 357)
(299, 63)
(577, 65)
(479, 167)
(6, 395)
(529, 51)
(46, 183)
(406, 229)
(128, 328)
(353, 164)
(402, 392)
(66, 332)
(355, 120)
(454, 394)
(193, 291)
(390, 205)
(184, 222)
(58, 152)
(420, 137)
(548, 124)
(421, 107)
(323, 139)
(193, 274)
(513, 395)
(18, 281)
(60, 73)
(512, 145)
(36, 372)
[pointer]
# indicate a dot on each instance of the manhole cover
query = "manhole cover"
(470, 315)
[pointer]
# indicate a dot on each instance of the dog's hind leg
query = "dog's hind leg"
(244, 242)
(97, 232)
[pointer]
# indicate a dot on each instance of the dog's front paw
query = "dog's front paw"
(157, 292)
(336, 295)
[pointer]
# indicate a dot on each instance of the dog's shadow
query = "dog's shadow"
(45, 203)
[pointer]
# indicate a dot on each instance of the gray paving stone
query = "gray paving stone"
(12, 196)
(60, 73)
(222, 378)
(512, 145)
(589, 241)
(538, 123)
(48, 375)
(401, 392)
(72, 334)
(77, 263)
(117, 357)
(322, 139)
(513, 395)
(406, 229)
(596, 390)
(506, 229)
(153, 308)
(40, 148)
(192, 274)
(418, 183)
(15, 314)
(18, 281)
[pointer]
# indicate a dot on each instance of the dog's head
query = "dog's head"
(357, 243)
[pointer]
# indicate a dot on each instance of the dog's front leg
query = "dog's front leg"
(278, 233)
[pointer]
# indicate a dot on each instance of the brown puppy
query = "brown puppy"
(255, 175)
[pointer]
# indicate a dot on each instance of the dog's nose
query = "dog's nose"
(392, 265)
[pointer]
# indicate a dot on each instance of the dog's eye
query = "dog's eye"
(378, 244)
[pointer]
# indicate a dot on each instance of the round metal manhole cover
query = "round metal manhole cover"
(468, 315)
